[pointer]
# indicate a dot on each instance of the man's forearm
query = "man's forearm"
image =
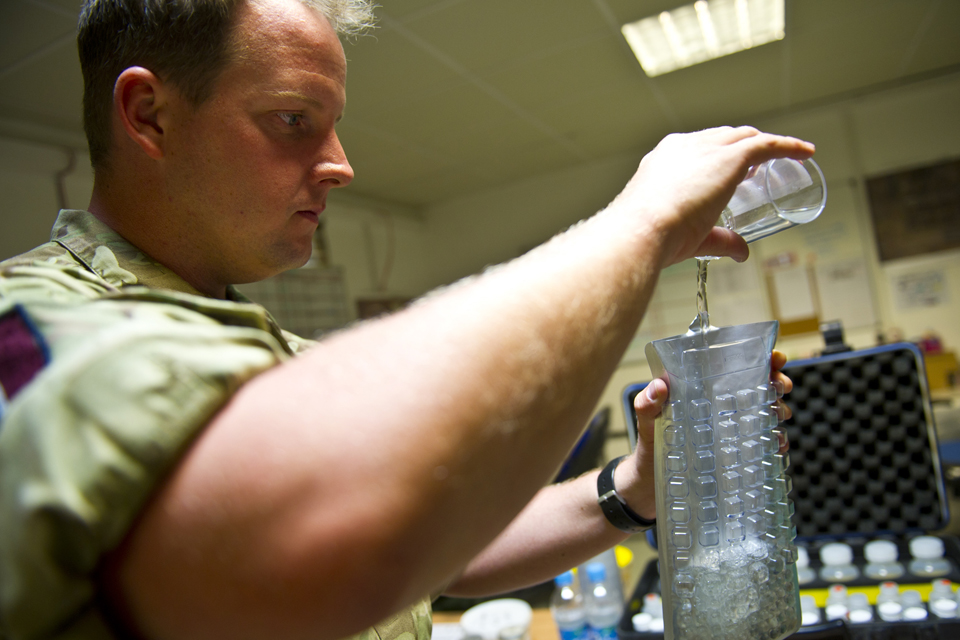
(561, 528)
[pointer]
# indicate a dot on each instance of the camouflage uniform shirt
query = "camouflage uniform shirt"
(110, 364)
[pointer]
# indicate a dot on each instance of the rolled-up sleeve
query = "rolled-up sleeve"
(87, 442)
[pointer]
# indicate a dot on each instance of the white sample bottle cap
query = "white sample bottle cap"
(913, 607)
(803, 558)
(809, 613)
(880, 551)
(926, 547)
(642, 621)
(653, 605)
(836, 553)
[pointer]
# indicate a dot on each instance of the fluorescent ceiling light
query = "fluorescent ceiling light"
(701, 31)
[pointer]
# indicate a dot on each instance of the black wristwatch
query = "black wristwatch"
(614, 507)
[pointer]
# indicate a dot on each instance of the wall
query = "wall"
(29, 186)
(380, 248)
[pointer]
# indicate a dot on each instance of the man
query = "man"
(170, 471)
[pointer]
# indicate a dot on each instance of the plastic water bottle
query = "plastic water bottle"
(837, 608)
(860, 611)
(928, 560)
(889, 608)
(602, 606)
(809, 612)
(837, 559)
(653, 607)
(913, 607)
(882, 562)
(566, 606)
(942, 601)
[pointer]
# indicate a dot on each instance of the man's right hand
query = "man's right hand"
(683, 184)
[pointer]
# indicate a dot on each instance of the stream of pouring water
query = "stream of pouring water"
(703, 314)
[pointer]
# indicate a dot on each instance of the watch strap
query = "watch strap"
(614, 507)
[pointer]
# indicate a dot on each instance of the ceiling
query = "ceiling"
(448, 97)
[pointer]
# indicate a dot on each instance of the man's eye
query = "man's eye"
(292, 119)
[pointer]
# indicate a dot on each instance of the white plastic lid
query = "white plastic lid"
(487, 620)
(653, 605)
(837, 593)
(944, 608)
(914, 613)
(642, 621)
(836, 611)
(836, 553)
(860, 616)
(926, 547)
(880, 551)
(803, 558)
(809, 617)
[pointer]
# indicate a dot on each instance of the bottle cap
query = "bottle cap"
(596, 572)
(488, 619)
(653, 605)
(803, 558)
(858, 600)
(911, 598)
(565, 579)
(880, 551)
(889, 611)
(926, 547)
(837, 594)
(641, 621)
(836, 553)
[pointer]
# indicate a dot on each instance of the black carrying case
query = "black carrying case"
(864, 465)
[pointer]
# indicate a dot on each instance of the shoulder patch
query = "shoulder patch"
(23, 351)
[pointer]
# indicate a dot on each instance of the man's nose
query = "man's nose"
(332, 166)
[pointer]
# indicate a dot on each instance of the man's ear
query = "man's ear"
(138, 97)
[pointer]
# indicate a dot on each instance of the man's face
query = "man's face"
(250, 168)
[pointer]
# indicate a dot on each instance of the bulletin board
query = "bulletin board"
(916, 211)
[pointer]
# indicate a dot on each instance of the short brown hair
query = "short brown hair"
(184, 42)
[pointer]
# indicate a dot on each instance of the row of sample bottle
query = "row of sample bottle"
(592, 614)
(882, 561)
(892, 605)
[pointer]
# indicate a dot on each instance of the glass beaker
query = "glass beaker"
(727, 558)
(775, 195)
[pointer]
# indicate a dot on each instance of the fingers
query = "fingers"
(724, 243)
(648, 404)
(761, 147)
(777, 361)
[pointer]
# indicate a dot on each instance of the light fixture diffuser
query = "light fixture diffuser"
(702, 31)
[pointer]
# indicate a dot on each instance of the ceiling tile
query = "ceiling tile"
(939, 43)
(578, 67)
(483, 34)
(632, 10)
(385, 69)
(28, 28)
(728, 90)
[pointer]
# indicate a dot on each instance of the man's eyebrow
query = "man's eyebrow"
(295, 95)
